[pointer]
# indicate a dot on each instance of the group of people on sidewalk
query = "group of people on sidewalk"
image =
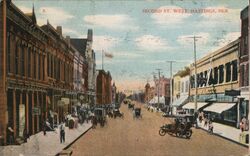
(207, 121)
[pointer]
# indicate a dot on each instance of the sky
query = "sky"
(143, 35)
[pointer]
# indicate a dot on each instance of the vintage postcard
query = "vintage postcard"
(124, 77)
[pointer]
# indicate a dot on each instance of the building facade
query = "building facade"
(181, 89)
(162, 88)
(36, 73)
(103, 88)
(217, 75)
(244, 60)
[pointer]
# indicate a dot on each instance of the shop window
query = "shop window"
(16, 59)
(39, 67)
(48, 65)
(205, 78)
(210, 80)
(8, 53)
(235, 70)
(230, 115)
(29, 62)
(191, 82)
(182, 87)
(247, 75)
(22, 62)
(187, 86)
(221, 73)
(34, 65)
(216, 75)
(228, 71)
(242, 71)
(201, 80)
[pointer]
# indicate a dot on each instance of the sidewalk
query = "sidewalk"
(227, 132)
(49, 145)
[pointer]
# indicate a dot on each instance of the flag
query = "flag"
(108, 55)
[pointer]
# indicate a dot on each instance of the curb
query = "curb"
(244, 145)
(75, 140)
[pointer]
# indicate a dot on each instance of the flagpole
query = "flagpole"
(102, 59)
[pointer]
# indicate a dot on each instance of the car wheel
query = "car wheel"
(162, 132)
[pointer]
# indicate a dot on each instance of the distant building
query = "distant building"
(162, 87)
(84, 46)
(114, 95)
(149, 93)
(103, 88)
(181, 89)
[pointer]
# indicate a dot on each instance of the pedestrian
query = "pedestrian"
(210, 127)
(200, 117)
(10, 134)
(44, 128)
(241, 126)
(25, 135)
(205, 121)
(62, 133)
(244, 121)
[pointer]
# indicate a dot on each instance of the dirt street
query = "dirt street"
(139, 137)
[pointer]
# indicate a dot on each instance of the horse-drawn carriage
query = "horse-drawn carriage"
(137, 113)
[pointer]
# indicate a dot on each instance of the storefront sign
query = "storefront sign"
(60, 103)
(21, 119)
(232, 92)
(65, 100)
(36, 111)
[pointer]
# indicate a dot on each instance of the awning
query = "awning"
(219, 107)
(180, 101)
(155, 100)
(191, 105)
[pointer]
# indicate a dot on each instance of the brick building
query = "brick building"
(36, 72)
(103, 87)
(149, 93)
(84, 46)
(244, 60)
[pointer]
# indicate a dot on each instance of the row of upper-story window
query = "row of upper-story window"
(223, 73)
(59, 69)
(24, 60)
(181, 86)
(29, 61)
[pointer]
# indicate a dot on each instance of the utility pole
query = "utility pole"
(158, 89)
(171, 89)
(195, 72)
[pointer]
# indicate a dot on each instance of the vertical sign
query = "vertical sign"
(21, 119)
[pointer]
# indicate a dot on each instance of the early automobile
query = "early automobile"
(181, 127)
(100, 116)
(137, 113)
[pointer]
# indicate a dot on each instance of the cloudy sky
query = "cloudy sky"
(143, 35)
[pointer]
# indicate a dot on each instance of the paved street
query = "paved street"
(126, 137)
